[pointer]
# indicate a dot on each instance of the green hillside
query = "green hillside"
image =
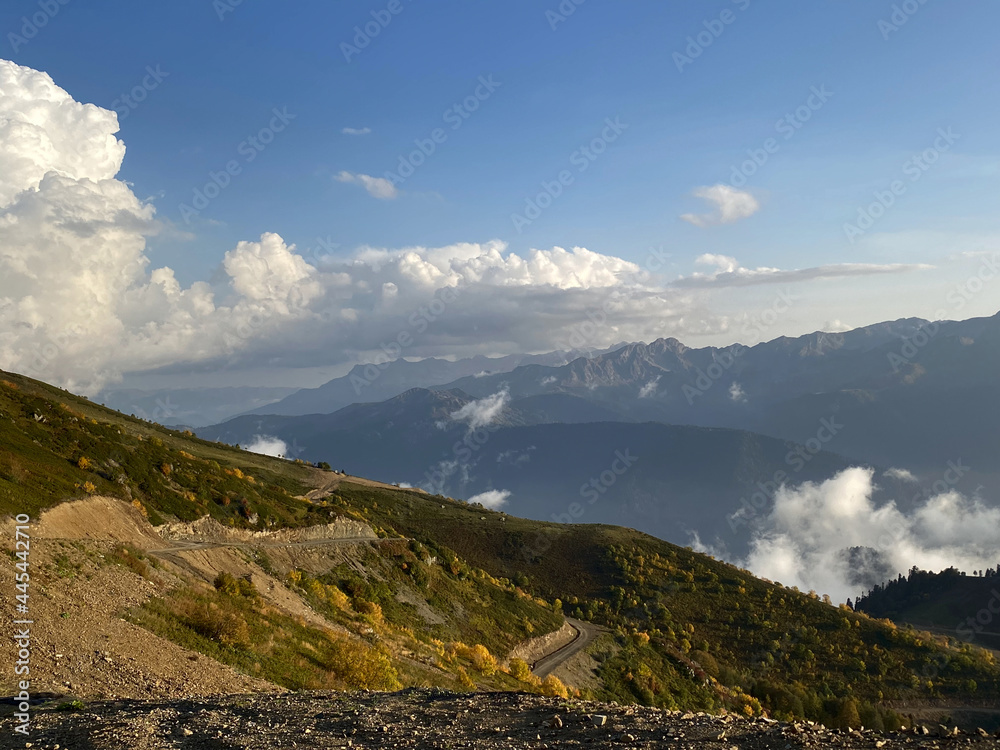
(950, 602)
(686, 631)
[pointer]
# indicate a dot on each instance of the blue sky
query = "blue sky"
(686, 129)
(557, 87)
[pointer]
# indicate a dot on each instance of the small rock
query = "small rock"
(599, 720)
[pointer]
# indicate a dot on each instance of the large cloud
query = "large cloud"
(831, 537)
(79, 304)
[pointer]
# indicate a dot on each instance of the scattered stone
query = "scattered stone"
(418, 719)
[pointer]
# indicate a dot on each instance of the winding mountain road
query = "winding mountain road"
(586, 633)
(189, 545)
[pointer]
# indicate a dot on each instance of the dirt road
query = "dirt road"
(586, 633)
(191, 545)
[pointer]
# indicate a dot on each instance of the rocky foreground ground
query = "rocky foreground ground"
(431, 719)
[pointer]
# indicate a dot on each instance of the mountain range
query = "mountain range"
(711, 428)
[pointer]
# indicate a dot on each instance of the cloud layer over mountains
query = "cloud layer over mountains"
(80, 305)
(831, 537)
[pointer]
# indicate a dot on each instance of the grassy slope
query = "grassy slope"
(786, 648)
(948, 601)
(765, 643)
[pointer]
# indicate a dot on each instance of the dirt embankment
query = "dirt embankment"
(97, 518)
(80, 645)
(535, 648)
(207, 529)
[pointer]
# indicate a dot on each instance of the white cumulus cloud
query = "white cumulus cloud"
(729, 205)
(377, 187)
(807, 538)
(493, 499)
(902, 474)
(356, 131)
(268, 446)
(81, 304)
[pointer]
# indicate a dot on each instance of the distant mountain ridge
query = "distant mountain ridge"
(912, 392)
(383, 380)
(191, 406)
(907, 394)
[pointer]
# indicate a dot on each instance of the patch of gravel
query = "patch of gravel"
(426, 719)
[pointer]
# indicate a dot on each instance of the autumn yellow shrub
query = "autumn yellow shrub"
(520, 670)
(371, 609)
(222, 627)
(464, 679)
(483, 660)
(360, 665)
(553, 686)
